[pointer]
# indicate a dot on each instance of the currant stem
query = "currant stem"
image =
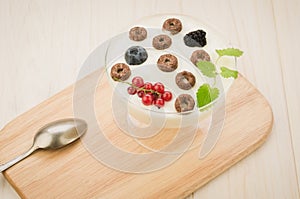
(138, 88)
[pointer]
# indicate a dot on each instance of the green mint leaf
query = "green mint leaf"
(230, 52)
(207, 68)
(227, 73)
(206, 94)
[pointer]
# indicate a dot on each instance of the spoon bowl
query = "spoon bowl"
(59, 133)
(54, 135)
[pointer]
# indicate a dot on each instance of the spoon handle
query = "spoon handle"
(17, 159)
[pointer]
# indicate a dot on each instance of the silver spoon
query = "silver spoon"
(54, 135)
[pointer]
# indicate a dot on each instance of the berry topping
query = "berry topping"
(136, 55)
(195, 38)
(159, 102)
(147, 99)
(150, 94)
(148, 86)
(155, 96)
(131, 90)
(167, 96)
(138, 82)
(159, 87)
(140, 93)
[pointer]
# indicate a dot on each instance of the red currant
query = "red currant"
(148, 86)
(167, 96)
(138, 81)
(140, 93)
(159, 102)
(149, 93)
(131, 90)
(155, 96)
(159, 87)
(147, 99)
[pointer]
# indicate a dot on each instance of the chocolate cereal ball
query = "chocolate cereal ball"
(161, 42)
(199, 55)
(185, 80)
(137, 33)
(184, 103)
(167, 63)
(172, 25)
(120, 71)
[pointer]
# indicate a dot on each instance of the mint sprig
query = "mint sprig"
(207, 68)
(227, 73)
(207, 93)
(230, 52)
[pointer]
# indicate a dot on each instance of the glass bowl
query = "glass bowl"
(150, 119)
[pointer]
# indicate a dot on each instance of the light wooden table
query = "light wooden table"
(43, 44)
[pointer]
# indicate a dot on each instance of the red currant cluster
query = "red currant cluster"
(150, 93)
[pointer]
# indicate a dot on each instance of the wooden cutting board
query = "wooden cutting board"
(72, 172)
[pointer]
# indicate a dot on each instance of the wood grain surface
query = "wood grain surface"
(73, 172)
(44, 43)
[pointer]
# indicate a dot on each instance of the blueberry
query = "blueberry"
(136, 55)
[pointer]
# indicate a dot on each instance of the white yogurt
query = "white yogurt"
(139, 114)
